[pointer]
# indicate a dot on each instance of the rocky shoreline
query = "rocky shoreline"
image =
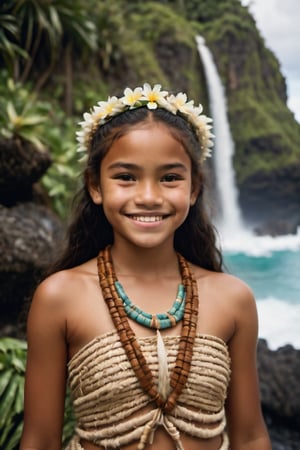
(279, 375)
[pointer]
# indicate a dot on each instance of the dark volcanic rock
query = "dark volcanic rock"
(21, 165)
(279, 375)
(29, 234)
(271, 201)
(279, 381)
(282, 436)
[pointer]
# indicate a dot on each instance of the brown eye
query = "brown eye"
(171, 177)
(124, 177)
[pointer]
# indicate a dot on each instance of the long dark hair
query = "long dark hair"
(90, 231)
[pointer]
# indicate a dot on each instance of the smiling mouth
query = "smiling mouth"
(148, 219)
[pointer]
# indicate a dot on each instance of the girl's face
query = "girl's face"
(145, 186)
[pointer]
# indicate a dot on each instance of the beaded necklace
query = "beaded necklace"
(107, 279)
(158, 321)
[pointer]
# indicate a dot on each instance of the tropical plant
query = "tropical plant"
(12, 370)
(10, 48)
(13, 354)
(44, 124)
(79, 39)
(21, 115)
(51, 30)
(61, 179)
(39, 26)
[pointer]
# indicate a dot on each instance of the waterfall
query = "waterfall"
(230, 221)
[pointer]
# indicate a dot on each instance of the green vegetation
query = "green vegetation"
(26, 117)
(22, 115)
(12, 370)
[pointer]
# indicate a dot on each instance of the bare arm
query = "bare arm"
(246, 426)
(46, 371)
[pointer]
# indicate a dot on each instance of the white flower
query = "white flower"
(152, 98)
(88, 119)
(112, 107)
(132, 97)
(198, 109)
(180, 103)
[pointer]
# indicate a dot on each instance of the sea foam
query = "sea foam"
(248, 243)
(279, 322)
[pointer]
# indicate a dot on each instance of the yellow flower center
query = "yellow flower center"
(153, 97)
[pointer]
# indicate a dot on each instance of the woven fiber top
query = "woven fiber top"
(111, 407)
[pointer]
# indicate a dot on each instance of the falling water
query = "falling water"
(230, 217)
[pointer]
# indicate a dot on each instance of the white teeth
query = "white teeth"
(147, 218)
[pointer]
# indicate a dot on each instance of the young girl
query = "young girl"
(158, 344)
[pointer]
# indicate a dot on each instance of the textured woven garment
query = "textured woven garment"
(111, 407)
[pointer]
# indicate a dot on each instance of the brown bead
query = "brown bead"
(179, 375)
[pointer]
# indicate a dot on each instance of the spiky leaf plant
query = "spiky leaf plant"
(12, 372)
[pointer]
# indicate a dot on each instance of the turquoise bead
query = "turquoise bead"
(145, 319)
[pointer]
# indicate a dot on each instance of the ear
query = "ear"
(93, 188)
(95, 193)
(194, 193)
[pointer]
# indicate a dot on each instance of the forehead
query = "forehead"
(148, 142)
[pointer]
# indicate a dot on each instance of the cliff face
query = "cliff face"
(266, 135)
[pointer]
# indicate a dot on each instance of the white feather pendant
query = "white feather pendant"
(163, 373)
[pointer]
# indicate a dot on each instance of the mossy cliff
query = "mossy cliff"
(266, 135)
(155, 41)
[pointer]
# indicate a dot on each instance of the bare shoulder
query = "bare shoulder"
(62, 290)
(228, 284)
(70, 304)
(226, 302)
(61, 286)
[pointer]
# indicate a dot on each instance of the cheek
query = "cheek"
(113, 198)
(182, 198)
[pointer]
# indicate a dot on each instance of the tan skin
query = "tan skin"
(68, 311)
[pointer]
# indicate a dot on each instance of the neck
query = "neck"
(132, 260)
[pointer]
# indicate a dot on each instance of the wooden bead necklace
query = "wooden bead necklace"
(107, 280)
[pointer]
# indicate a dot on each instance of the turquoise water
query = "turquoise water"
(276, 276)
(271, 267)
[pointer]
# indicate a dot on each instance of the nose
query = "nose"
(148, 194)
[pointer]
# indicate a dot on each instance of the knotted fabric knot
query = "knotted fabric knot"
(159, 419)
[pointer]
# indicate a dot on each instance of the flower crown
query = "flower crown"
(152, 98)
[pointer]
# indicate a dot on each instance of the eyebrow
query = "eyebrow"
(131, 166)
